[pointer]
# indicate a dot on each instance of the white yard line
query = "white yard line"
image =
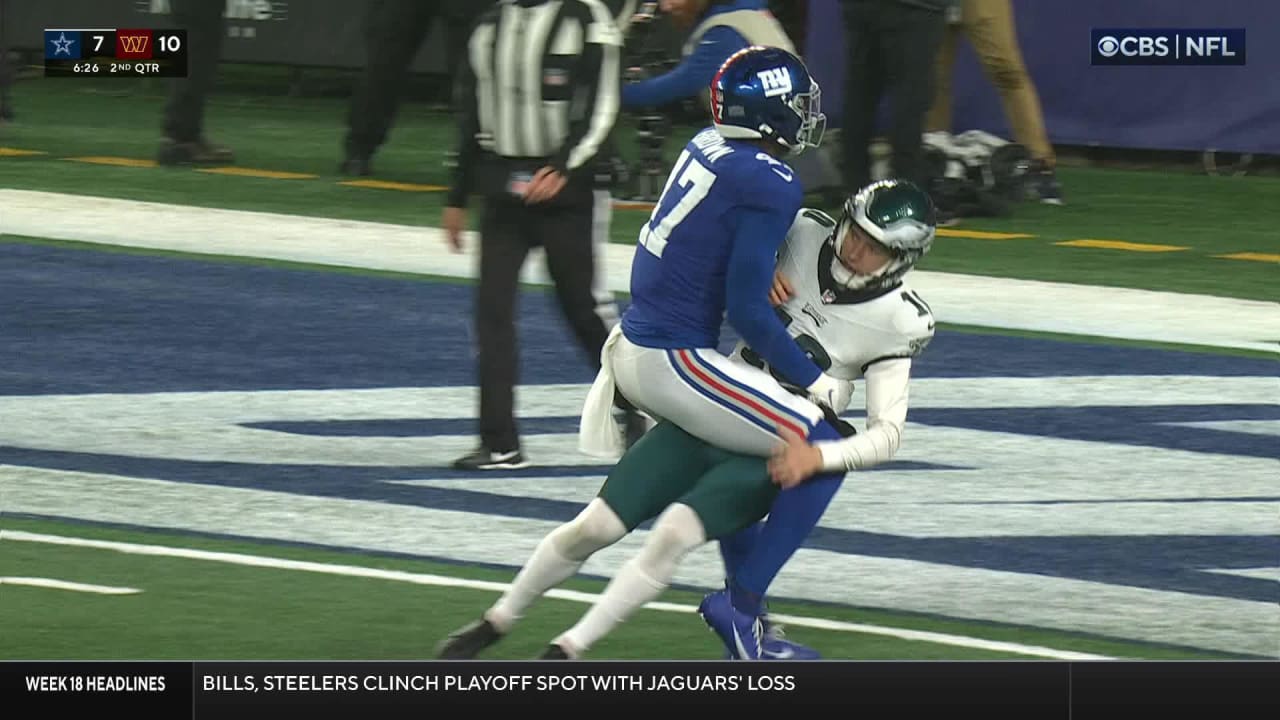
(956, 298)
(65, 585)
(570, 595)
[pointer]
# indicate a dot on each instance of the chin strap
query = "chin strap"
(842, 274)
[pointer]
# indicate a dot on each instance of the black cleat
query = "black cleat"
(467, 642)
(194, 152)
(484, 459)
(361, 165)
(554, 652)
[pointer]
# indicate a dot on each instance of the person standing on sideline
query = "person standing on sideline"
(890, 47)
(394, 32)
(6, 75)
(717, 29)
(538, 101)
(184, 140)
(990, 28)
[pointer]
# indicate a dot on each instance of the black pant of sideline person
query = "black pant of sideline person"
(184, 111)
(6, 73)
(571, 230)
(891, 48)
(394, 32)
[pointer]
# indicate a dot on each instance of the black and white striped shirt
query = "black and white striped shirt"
(541, 82)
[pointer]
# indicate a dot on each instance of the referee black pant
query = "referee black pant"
(571, 237)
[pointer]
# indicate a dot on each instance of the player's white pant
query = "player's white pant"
(730, 405)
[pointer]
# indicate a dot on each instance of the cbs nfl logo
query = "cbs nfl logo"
(1160, 46)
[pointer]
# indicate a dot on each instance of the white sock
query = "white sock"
(641, 580)
(556, 558)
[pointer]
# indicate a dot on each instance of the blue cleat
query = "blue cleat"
(741, 633)
(776, 646)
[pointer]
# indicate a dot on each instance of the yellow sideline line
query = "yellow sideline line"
(618, 204)
(254, 172)
(110, 160)
(393, 185)
(981, 234)
(1122, 245)
(1254, 256)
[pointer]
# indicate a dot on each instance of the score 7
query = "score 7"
(695, 181)
(97, 46)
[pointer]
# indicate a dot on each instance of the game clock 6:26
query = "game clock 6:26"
(115, 53)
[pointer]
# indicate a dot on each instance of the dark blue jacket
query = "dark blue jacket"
(694, 73)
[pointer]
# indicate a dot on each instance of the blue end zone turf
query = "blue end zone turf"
(81, 322)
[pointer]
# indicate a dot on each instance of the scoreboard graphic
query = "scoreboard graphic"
(113, 52)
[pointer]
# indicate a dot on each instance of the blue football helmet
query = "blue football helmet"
(766, 92)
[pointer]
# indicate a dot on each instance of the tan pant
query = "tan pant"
(989, 26)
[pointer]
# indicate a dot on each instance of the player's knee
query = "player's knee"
(596, 527)
(677, 531)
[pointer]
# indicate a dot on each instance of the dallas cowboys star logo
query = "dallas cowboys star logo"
(62, 45)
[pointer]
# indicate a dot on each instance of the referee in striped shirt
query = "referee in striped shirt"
(538, 100)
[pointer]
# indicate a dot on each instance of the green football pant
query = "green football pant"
(728, 491)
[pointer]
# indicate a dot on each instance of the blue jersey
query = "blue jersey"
(707, 253)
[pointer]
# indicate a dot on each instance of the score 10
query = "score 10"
(135, 44)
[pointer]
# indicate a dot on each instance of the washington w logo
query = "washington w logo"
(134, 44)
(776, 81)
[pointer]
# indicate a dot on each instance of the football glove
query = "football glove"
(831, 392)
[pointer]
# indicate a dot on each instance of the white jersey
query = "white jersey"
(850, 335)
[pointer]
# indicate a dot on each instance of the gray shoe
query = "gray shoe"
(195, 152)
(1043, 185)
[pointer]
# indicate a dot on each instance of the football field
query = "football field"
(228, 404)
(249, 459)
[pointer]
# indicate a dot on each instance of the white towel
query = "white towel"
(599, 434)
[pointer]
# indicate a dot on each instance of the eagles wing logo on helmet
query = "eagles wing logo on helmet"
(767, 93)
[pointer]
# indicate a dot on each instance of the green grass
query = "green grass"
(69, 117)
(198, 609)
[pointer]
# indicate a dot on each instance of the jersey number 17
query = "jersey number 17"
(679, 198)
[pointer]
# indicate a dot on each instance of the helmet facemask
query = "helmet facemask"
(813, 123)
(809, 105)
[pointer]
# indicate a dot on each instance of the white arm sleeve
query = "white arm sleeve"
(886, 383)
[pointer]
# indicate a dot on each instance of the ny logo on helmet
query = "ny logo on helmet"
(776, 81)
